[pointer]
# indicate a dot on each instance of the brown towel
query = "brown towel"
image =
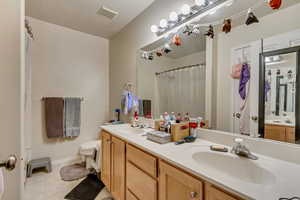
(54, 113)
(147, 107)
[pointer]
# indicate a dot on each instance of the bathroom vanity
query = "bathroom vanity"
(135, 168)
(130, 172)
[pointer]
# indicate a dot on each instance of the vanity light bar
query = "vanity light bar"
(187, 13)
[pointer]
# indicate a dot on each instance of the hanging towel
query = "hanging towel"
(54, 114)
(245, 77)
(126, 102)
(147, 108)
(72, 120)
(141, 108)
(267, 89)
(244, 90)
(1, 184)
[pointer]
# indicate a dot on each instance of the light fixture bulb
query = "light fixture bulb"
(267, 59)
(229, 3)
(163, 23)
(173, 16)
(186, 9)
(213, 12)
(167, 46)
(154, 29)
(200, 2)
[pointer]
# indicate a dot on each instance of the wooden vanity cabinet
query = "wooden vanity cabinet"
(213, 193)
(176, 184)
(280, 133)
(106, 159)
(141, 174)
(133, 174)
(113, 165)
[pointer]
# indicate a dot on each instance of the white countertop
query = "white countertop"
(284, 180)
(279, 123)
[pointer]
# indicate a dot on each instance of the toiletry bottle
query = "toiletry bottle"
(173, 117)
(178, 118)
(187, 117)
(166, 116)
(135, 119)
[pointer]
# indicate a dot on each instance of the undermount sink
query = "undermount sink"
(134, 130)
(235, 167)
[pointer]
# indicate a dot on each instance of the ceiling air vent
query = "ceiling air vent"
(106, 12)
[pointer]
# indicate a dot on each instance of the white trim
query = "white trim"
(65, 161)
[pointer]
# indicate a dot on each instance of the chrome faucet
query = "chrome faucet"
(241, 150)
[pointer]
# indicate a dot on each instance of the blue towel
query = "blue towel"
(72, 117)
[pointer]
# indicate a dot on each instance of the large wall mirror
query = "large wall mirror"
(244, 82)
(175, 81)
(279, 114)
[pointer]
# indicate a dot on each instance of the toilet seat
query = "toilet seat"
(90, 153)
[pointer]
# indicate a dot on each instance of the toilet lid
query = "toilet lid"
(89, 148)
(90, 145)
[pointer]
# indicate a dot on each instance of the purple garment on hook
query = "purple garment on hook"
(267, 89)
(245, 77)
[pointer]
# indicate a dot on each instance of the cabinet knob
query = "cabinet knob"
(254, 118)
(194, 194)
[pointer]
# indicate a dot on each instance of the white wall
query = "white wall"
(195, 58)
(279, 22)
(68, 63)
(124, 45)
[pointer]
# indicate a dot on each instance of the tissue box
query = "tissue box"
(159, 137)
(180, 131)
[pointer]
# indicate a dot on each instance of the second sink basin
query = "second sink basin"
(235, 167)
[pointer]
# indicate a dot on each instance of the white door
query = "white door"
(10, 88)
(248, 53)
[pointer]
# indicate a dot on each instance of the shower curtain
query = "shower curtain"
(27, 97)
(181, 91)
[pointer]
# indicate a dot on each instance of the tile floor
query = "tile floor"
(49, 186)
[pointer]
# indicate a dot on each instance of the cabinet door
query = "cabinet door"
(140, 184)
(213, 193)
(118, 168)
(130, 196)
(290, 135)
(106, 159)
(175, 184)
(275, 133)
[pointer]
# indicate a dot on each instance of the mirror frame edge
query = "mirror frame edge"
(261, 106)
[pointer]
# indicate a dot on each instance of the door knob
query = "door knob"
(10, 163)
(238, 115)
(194, 194)
(254, 118)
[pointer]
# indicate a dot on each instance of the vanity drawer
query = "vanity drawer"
(143, 160)
(130, 196)
(213, 193)
(140, 184)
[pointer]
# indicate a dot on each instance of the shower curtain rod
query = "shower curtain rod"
(180, 68)
(81, 98)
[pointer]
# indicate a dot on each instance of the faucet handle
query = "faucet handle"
(238, 140)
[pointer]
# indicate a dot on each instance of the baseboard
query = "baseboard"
(66, 161)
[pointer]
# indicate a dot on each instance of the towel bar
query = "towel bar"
(81, 98)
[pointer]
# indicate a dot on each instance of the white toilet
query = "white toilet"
(90, 153)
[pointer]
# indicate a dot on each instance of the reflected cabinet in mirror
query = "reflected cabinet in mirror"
(279, 92)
